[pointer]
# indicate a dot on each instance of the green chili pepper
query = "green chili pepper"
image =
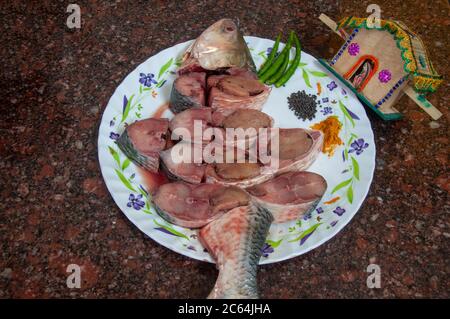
(274, 78)
(293, 66)
(271, 56)
(278, 62)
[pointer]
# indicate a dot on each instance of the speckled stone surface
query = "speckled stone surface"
(55, 209)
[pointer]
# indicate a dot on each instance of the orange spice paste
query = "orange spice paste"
(330, 128)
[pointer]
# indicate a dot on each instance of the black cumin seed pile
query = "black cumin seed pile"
(303, 105)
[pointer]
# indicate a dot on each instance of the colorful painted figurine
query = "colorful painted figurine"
(380, 64)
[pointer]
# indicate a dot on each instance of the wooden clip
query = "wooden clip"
(423, 103)
(332, 25)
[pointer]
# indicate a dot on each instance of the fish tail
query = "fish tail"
(237, 279)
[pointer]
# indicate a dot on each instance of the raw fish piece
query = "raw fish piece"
(188, 91)
(143, 140)
(235, 241)
(180, 166)
(194, 206)
(289, 196)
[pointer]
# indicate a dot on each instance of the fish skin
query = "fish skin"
(150, 163)
(179, 102)
(221, 45)
(235, 241)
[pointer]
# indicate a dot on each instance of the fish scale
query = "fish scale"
(237, 251)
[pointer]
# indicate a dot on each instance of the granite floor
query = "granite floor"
(55, 209)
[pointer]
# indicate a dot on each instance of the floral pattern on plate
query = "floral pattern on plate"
(348, 172)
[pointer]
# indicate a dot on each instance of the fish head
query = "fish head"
(221, 46)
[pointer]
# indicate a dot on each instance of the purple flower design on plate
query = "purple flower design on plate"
(384, 76)
(332, 85)
(325, 100)
(307, 216)
(266, 250)
(358, 146)
(344, 92)
(353, 49)
(114, 136)
(319, 210)
(112, 123)
(302, 241)
(353, 115)
(147, 79)
(143, 189)
(333, 223)
(326, 110)
(339, 211)
(269, 51)
(124, 103)
(135, 202)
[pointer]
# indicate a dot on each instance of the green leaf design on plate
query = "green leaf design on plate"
(341, 185)
(355, 168)
(171, 230)
(344, 110)
(165, 67)
(142, 192)
(147, 211)
(160, 83)
(346, 154)
(300, 65)
(125, 164)
(306, 232)
(125, 181)
(306, 78)
(318, 74)
(350, 139)
(179, 61)
(115, 155)
(274, 244)
(127, 109)
(350, 194)
(263, 54)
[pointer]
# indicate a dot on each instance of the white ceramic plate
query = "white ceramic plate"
(348, 172)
